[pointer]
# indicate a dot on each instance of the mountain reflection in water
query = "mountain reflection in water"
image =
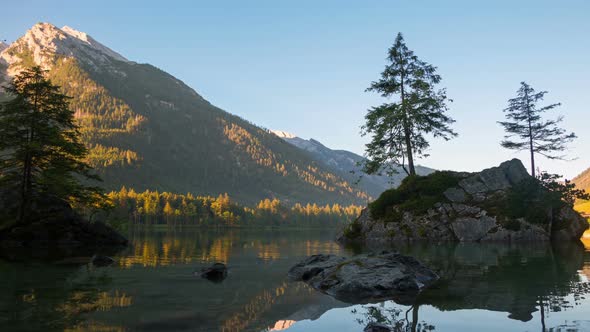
(152, 288)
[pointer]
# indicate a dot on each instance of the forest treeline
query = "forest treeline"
(165, 208)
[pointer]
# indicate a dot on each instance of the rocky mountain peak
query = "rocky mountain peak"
(44, 41)
(84, 37)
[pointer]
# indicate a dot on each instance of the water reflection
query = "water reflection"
(396, 318)
(152, 288)
(174, 246)
(517, 279)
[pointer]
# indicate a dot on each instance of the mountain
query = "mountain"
(146, 129)
(582, 181)
(346, 164)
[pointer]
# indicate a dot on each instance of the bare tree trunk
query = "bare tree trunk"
(531, 146)
(407, 131)
(23, 194)
(532, 158)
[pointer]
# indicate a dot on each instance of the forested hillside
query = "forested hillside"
(148, 130)
(582, 181)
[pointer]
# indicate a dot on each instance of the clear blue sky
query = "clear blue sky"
(303, 66)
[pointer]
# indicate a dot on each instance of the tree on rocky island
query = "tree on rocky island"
(41, 153)
(398, 128)
(526, 129)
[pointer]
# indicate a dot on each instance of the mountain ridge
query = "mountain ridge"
(147, 129)
(348, 164)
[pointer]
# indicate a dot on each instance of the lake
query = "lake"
(152, 287)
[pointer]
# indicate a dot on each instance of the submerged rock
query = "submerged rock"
(102, 261)
(499, 204)
(216, 272)
(365, 278)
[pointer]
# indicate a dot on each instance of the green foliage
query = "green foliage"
(152, 207)
(398, 128)
(566, 190)
(41, 150)
(536, 200)
(416, 194)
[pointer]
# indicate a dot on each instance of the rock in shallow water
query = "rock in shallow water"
(365, 278)
(216, 272)
(102, 261)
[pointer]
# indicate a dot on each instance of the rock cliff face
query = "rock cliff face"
(489, 206)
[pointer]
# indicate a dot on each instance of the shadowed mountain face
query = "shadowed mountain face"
(349, 165)
(148, 130)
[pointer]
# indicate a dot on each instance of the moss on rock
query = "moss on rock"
(416, 195)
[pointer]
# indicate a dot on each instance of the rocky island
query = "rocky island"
(499, 204)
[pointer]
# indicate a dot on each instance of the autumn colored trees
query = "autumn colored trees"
(153, 207)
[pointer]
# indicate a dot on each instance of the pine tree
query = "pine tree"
(398, 128)
(526, 130)
(41, 154)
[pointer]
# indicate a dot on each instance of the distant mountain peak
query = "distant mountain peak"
(44, 41)
(3, 46)
(347, 164)
(283, 134)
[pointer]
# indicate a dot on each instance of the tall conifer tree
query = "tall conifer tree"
(40, 151)
(398, 128)
(526, 129)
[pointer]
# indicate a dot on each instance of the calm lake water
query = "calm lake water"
(152, 288)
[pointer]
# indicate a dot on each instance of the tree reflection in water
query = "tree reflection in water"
(152, 286)
(396, 318)
(518, 279)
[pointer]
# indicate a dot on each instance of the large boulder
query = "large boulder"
(474, 209)
(365, 278)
